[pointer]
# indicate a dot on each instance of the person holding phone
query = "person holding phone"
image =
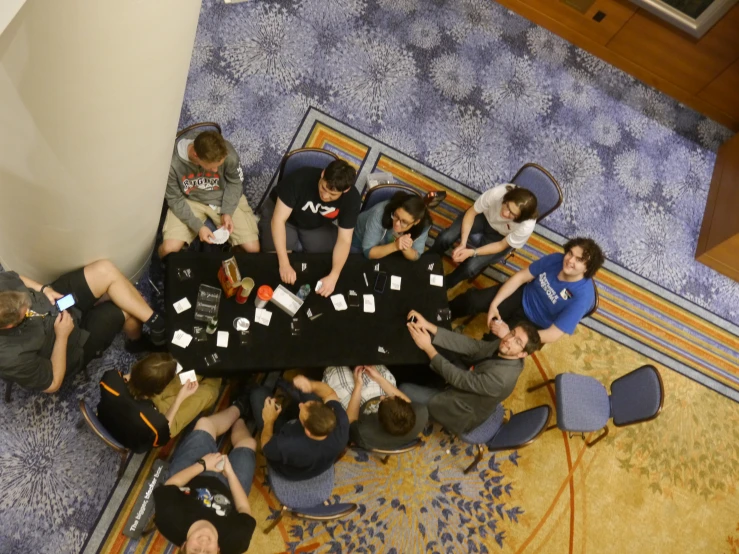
(40, 345)
(401, 224)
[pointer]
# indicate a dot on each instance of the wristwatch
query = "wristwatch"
(202, 463)
(42, 288)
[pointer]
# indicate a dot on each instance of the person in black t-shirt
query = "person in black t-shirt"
(308, 445)
(204, 507)
(299, 215)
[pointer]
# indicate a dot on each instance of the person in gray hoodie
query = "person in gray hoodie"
(206, 180)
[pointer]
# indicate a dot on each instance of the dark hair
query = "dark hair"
(396, 416)
(321, 419)
(534, 339)
(339, 176)
(416, 208)
(592, 255)
(524, 199)
(210, 146)
(12, 302)
(150, 375)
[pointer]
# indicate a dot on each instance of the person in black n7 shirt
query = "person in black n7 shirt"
(204, 507)
(299, 215)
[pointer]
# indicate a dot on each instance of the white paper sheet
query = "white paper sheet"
(369, 303)
(222, 339)
(395, 282)
(182, 305)
(262, 316)
(181, 339)
(339, 302)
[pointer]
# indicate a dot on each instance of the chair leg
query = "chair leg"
(477, 460)
(384, 459)
(277, 520)
(552, 426)
(8, 390)
(600, 437)
(535, 387)
(122, 468)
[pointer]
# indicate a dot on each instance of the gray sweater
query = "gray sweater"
(188, 180)
(473, 395)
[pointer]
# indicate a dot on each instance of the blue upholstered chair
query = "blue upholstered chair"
(497, 434)
(583, 405)
(90, 417)
(298, 159)
(548, 197)
(385, 453)
(306, 498)
(380, 193)
(596, 302)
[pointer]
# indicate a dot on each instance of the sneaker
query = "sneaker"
(144, 344)
(242, 403)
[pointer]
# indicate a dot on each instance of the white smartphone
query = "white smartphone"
(66, 302)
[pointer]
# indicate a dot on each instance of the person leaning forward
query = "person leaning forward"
(206, 181)
(482, 376)
(300, 213)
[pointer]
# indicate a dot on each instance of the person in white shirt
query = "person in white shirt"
(502, 218)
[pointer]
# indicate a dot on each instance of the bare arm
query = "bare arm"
(58, 363)
(30, 283)
(352, 410)
(509, 287)
(377, 252)
(493, 248)
(324, 392)
(182, 478)
(279, 235)
(341, 251)
(386, 386)
(241, 500)
(551, 334)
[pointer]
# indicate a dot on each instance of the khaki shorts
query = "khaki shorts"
(245, 225)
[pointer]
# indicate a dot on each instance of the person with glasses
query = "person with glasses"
(480, 374)
(503, 216)
(400, 224)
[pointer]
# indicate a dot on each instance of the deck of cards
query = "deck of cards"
(220, 235)
(181, 339)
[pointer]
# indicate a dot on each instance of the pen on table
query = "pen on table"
(365, 279)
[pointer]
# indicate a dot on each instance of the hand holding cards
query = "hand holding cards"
(220, 235)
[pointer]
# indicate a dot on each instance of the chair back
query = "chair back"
(539, 181)
(305, 157)
(93, 423)
(204, 126)
(637, 396)
(487, 429)
(522, 429)
(380, 193)
(299, 495)
(401, 450)
(596, 301)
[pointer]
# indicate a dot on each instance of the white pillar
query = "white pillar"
(90, 98)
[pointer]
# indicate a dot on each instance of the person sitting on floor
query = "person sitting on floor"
(554, 293)
(203, 507)
(147, 407)
(482, 374)
(400, 224)
(39, 345)
(380, 415)
(206, 181)
(504, 215)
(299, 215)
(308, 439)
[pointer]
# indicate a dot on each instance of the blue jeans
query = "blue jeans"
(481, 234)
(418, 393)
(199, 443)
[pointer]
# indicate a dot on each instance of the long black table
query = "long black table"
(349, 337)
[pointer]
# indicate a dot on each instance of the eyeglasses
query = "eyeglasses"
(403, 223)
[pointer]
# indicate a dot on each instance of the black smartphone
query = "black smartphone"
(66, 302)
(380, 282)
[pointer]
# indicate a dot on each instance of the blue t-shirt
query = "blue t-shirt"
(547, 300)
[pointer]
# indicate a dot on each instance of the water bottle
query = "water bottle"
(304, 291)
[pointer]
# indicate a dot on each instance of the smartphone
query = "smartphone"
(380, 281)
(66, 302)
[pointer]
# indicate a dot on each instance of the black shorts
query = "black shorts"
(103, 321)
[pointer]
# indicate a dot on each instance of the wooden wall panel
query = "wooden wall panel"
(723, 91)
(617, 13)
(685, 61)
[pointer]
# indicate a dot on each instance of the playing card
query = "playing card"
(369, 303)
(182, 305)
(186, 376)
(222, 339)
(395, 282)
(181, 339)
(262, 316)
(339, 302)
(220, 235)
(179, 368)
(437, 280)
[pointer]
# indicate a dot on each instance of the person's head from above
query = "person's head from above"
(406, 213)
(519, 204)
(202, 538)
(14, 306)
(583, 258)
(336, 179)
(523, 339)
(150, 375)
(318, 420)
(396, 416)
(209, 150)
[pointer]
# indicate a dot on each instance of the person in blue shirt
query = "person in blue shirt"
(554, 293)
(400, 224)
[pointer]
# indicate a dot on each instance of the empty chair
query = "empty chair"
(306, 498)
(380, 193)
(584, 406)
(495, 433)
(90, 417)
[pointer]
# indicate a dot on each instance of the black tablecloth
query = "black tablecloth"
(349, 337)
